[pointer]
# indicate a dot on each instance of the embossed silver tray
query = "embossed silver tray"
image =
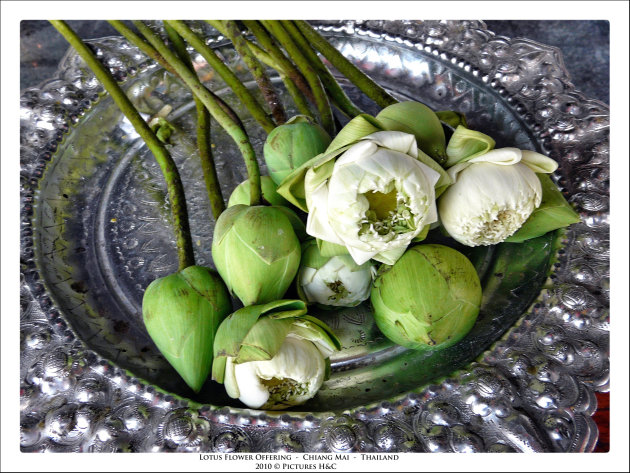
(96, 231)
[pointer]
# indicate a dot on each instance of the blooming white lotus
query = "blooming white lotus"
(492, 195)
(333, 281)
(290, 378)
(272, 356)
(378, 198)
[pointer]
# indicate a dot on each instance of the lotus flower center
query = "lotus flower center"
(388, 214)
(382, 204)
(506, 222)
(282, 390)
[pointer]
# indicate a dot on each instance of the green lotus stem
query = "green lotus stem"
(338, 96)
(141, 44)
(233, 33)
(354, 74)
(276, 53)
(321, 99)
(236, 132)
(243, 94)
(162, 156)
(151, 52)
(217, 204)
(295, 93)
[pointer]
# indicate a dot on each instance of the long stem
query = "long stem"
(141, 44)
(150, 51)
(236, 132)
(203, 132)
(243, 94)
(337, 94)
(354, 74)
(294, 91)
(276, 53)
(162, 156)
(321, 99)
(233, 33)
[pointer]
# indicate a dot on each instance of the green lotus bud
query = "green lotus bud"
(182, 312)
(272, 356)
(333, 281)
(256, 252)
(429, 299)
(290, 145)
(240, 195)
(419, 120)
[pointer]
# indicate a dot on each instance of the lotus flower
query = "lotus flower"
(272, 356)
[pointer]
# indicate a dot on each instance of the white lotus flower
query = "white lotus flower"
(377, 199)
(338, 282)
(291, 377)
(492, 195)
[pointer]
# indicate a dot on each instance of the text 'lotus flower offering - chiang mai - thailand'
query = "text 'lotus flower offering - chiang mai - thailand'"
(349, 215)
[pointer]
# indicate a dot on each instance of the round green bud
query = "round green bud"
(256, 252)
(290, 145)
(419, 120)
(429, 299)
(240, 195)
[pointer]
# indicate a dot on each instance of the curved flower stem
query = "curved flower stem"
(141, 44)
(321, 99)
(233, 33)
(162, 156)
(203, 132)
(337, 94)
(354, 74)
(236, 132)
(151, 52)
(276, 53)
(243, 94)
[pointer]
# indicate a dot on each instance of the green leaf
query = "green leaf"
(360, 126)
(466, 144)
(329, 249)
(452, 118)
(554, 212)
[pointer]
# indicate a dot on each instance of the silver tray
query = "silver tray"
(95, 232)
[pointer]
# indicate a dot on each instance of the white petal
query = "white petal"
(539, 162)
(317, 222)
(503, 156)
(253, 393)
(360, 256)
(395, 140)
(390, 256)
(229, 381)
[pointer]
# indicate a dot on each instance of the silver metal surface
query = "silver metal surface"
(96, 231)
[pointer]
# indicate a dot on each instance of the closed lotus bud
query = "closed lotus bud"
(429, 299)
(240, 195)
(272, 356)
(181, 313)
(419, 120)
(333, 281)
(256, 252)
(290, 145)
